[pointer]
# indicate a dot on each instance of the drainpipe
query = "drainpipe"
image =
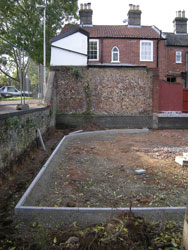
(158, 40)
(87, 50)
(186, 69)
(41, 140)
(157, 53)
(101, 51)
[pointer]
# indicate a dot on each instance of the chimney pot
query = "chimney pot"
(180, 23)
(85, 14)
(134, 15)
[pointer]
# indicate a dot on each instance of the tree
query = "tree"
(21, 23)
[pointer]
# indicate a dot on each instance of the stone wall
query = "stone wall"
(103, 90)
(18, 131)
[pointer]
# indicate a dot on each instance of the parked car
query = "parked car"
(10, 91)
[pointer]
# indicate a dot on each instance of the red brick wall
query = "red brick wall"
(172, 65)
(167, 62)
(129, 50)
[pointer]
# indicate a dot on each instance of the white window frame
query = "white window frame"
(178, 56)
(115, 61)
(143, 59)
(97, 41)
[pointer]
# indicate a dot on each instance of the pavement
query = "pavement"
(10, 106)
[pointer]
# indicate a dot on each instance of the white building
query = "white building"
(70, 48)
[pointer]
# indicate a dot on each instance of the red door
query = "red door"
(185, 100)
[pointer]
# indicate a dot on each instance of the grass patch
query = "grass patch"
(17, 98)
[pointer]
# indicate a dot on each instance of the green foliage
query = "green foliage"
(87, 90)
(4, 80)
(76, 73)
(21, 23)
(51, 112)
(14, 123)
(30, 123)
(15, 98)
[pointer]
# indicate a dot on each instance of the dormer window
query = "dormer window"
(115, 54)
(178, 56)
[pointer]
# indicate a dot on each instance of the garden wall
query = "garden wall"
(18, 131)
(116, 91)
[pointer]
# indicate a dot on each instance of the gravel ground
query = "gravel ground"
(99, 171)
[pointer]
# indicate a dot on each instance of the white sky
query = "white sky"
(160, 13)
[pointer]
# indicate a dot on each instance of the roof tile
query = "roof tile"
(176, 40)
(121, 31)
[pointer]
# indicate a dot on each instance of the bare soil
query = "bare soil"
(99, 171)
(126, 232)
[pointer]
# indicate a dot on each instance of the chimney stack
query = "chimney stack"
(134, 15)
(85, 14)
(180, 23)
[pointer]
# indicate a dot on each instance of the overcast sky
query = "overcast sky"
(160, 13)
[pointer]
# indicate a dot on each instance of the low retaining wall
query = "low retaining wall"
(173, 122)
(18, 131)
(115, 122)
(119, 122)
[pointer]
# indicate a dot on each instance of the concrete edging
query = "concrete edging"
(52, 216)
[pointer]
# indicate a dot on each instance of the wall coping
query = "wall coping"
(102, 65)
(22, 112)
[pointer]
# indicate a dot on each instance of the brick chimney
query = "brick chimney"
(180, 23)
(85, 14)
(134, 15)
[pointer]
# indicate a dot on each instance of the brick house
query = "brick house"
(173, 67)
(134, 44)
(131, 45)
(177, 51)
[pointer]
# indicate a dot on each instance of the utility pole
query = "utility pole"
(44, 46)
